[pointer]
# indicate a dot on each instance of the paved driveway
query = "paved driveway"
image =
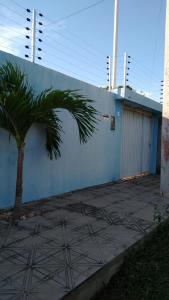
(73, 236)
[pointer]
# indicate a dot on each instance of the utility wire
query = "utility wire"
(13, 40)
(141, 73)
(12, 10)
(70, 63)
(143, 93)
(93, 52)
(19, 24)
(58, 43)
(11, 30)
(139, 81)
(77, 36)
(74, 43)
(79, 11)
(79, 41)
(67, 73)
(142, 76)
(141, 87)
(143, 67)
(92, 48)
(159, 15)
(76, 12)
(17, 4)
(82, 57)
(11, 49)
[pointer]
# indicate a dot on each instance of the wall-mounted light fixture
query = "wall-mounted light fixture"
(113, 123)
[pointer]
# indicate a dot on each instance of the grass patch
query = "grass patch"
(144, 274)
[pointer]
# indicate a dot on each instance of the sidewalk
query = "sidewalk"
(73, 236)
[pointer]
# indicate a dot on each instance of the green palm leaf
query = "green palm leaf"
(80, 108)
(16, 101)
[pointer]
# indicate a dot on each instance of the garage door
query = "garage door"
(136, 143)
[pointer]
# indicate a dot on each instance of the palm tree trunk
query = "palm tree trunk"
(19, 179)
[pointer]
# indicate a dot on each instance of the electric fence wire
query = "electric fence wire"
(73, 51)
(83, 47)
(11, 29)
(21, 25)
(17, 4)
(90, 51)
(76, 12)
(138, 85)
(142, 77)
(11, 40)
(82, 62)
(61, 69)
(141, 81)
(75, 65)
(10, 49)
(89, 48)
(89, 60)
(82, 43)
(139, 76)
(139, 66)
(11, 10)
(158, 21)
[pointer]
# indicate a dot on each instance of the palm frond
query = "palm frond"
(53, 136)
(16, 99)
(5, 123)
(80, 108)
(53, 128)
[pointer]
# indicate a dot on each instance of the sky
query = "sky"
(77, 44)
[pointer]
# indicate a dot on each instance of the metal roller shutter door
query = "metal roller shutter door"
(136, 143)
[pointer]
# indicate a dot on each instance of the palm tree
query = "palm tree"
(20, 108)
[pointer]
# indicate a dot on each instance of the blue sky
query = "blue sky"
(78, 45)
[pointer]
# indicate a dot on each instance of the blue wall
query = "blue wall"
(80, 165)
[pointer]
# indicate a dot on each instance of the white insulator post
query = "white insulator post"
(115, 44)
(33, 44)
(125, 70)
(165, 114)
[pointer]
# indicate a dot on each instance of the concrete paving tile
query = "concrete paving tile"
(74, 235)
(147, 213)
